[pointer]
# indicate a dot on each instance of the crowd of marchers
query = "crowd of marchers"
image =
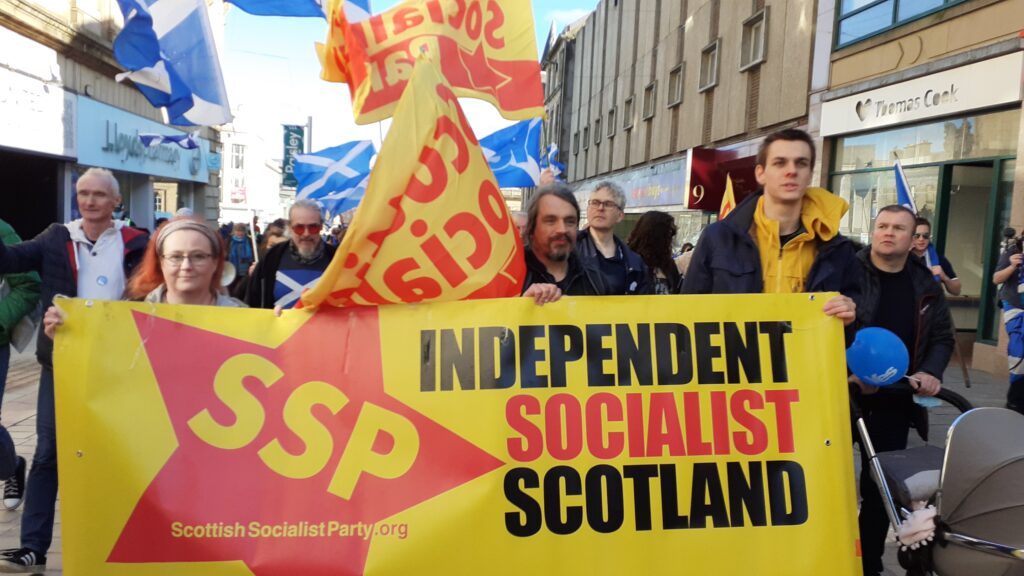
(783, 239)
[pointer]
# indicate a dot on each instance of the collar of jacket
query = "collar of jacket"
(922, 278)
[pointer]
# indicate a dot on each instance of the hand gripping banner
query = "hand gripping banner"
(433, 224)
(642, 435)
(486, 50)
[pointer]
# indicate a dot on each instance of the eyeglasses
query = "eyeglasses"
(301, 229)
(197, 259)
(608, 204)
(924, 236)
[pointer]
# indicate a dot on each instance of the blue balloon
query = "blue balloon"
(878, 357)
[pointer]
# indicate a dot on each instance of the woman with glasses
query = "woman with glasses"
(183, 264)
(652, 240)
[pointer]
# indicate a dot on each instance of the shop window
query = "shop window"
(753, 46)
(956, 139)
(650, 95)
(859, 19)
(708, 67)
(675, 86)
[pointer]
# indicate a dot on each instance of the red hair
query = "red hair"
(149, 275)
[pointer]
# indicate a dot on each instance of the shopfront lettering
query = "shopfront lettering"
(127, 145)
(932, 98)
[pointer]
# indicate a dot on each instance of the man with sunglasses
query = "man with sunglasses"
(623, 270)
(290, 268)
(942, 269)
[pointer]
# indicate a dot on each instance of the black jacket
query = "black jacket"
(260, 291)
(581, 279)
(637, 276)
(50, 254)
(726, 260)
(933, 344)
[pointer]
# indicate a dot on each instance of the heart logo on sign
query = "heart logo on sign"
(863, 107)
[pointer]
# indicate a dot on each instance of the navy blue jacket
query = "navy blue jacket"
(582, 279)
(50, 254)
(726, 260)
(637, 277)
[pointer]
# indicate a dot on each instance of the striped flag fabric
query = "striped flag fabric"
(168, 48)
(513, 154)
(298, 8)
(186, 141)
(336, 177)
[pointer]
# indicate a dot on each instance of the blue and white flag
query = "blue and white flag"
(344, 200)
(335, 176)
(186, 141)
(550, 160)
(905, 198)
(307, 8)
(357, 10)
(168, 47)
(514, 154)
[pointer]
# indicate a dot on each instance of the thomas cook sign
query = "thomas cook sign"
(979, 85)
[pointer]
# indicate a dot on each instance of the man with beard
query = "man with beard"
(552, 266)
(290, 268)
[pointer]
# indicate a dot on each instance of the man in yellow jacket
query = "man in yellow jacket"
(783, 239)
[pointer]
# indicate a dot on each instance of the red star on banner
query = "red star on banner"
(203, 494)
(482, 76)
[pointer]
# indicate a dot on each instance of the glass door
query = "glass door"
(963, 239)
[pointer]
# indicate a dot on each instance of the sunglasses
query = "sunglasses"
(303, 229)
(923, 236)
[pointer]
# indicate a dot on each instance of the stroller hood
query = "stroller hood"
(981, 494)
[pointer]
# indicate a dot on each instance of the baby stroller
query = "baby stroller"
(976, 485)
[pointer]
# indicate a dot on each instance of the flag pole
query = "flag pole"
(252, 238)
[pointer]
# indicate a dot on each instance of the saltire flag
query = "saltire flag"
(514, 154)
(346, 199)
(905, 198)
(433, 225)
(728, 199)
(186, 141)
(333, 169)
(486, 49)
(168, 48)
(300, 8)
(550, 160)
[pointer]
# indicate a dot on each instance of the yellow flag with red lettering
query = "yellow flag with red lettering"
(485, 49)
(433, 225)
(728, 199)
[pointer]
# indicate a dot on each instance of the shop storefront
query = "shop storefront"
(37, 134)
(956, 134)
(155, 182)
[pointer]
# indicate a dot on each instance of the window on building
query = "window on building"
(753, 46)
(675, 86)
(859, 19)
(597, 130)
(238, 156)
(586, 137)
(627, 113)
(708, 67)
(611, 121)
(576, 143)
(650, 96)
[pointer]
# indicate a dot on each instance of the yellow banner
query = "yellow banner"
(486, 50)
(433, 225)
(640, 435)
